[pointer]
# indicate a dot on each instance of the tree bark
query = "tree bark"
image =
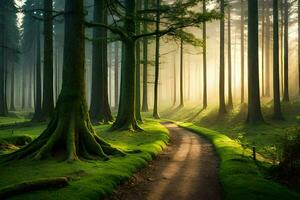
(38, 98)
(276, 89)
(3, 103)
(48, 101)
(126, 119)
(222, 106)
(204, 60)
(286, 97)
(145, 107)
(100, 109)
(254, 109)
(138, 69)
(242, 52)
(157, 51)
(116, 74)
(181, 75)
(230, 101)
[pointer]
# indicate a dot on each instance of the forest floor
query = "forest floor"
(87, 179)
(187, 169)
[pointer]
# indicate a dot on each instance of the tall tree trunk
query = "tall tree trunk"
(157, 51)
(174, 81)
(138, 68)
(126, 114)
(281, 45)
(145, 107)
(99, 109)
(286, 97)
(222, 107)
(38, 97)
(116, 74)
(254, 109)
(230, 101)
(299, 46)
(267, 50)
(69, 135)
(263, 49)
(48, 101)
(181, 75)
(276, 90)
(12, 88)
(204, 60)
(242, 52)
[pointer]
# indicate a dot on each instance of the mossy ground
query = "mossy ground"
(89, 179)
(240, 176)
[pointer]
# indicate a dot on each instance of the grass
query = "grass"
(93, 179)
(240, 176)
(266, 137)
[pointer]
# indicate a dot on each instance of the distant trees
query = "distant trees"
(222, 106)
(100, 109)
(204, 59)
(230, 100)
(9, 49)
(242, 51)
(276, 88)
(286, 97)
(254, 109)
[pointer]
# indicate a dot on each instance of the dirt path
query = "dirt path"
(186, 170)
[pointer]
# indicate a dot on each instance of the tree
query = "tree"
(157, 43)
(138, 68)
(38, 97)
(299, 46)
(100, 109)
(48, 100)
(254, 109)
(116, 74)
(9, 39)
(242, 52)
(286, 97)
(230, 101)
(204, 60)
(145, 107)
(69, 135)
(266, 85)
(181, 74)
(222, 107)
(276, 90)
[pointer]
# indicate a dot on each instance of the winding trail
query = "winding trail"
(186, 170)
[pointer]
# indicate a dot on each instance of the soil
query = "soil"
(186, 170)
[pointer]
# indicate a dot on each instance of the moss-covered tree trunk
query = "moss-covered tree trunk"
(286, 97)
(38, 97)
(222, 107)
(69, 135)
(126, 119)
(276, 89)
(204, 60)
(254, 109)
(48, 101)
(100, 109)
(157, 52)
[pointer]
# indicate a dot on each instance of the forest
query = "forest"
(150, 99)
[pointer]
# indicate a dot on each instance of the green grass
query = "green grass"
(266, 137)
(93, 179)
(240, 176)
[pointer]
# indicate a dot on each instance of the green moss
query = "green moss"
(90, 179)
(240, 176)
